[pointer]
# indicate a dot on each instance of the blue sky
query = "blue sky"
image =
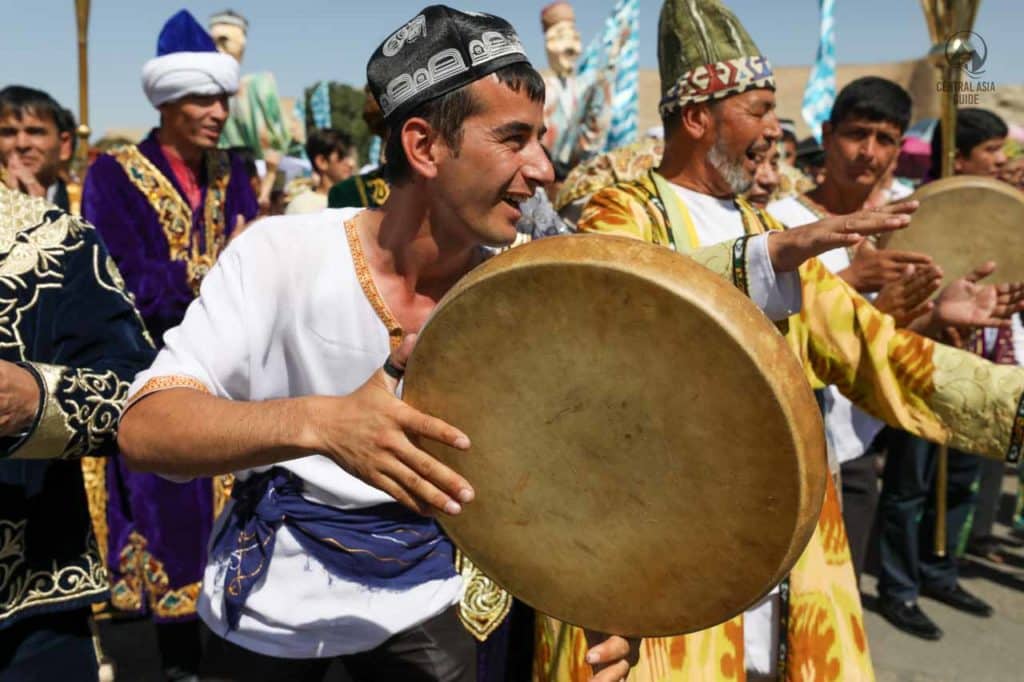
(303, 41)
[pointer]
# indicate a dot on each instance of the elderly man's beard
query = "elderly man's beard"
(733, 171)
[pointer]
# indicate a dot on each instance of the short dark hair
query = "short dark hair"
(325, 141)
(447, 113)
(973, 127)
(875, 99)
(16, 100)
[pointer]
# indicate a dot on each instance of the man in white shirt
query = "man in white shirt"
(281, 357)
(862, 141)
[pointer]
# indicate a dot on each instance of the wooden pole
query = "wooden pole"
(949, 22)
(82, 17)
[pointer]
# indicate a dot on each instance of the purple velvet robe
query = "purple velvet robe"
(158, 530)
(135, 238)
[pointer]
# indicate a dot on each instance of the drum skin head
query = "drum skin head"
(965, 220)
(647, 455)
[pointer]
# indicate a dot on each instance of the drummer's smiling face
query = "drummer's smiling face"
(499, 163)
(742, 128)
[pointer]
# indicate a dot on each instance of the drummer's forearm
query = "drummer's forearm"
(185, 433)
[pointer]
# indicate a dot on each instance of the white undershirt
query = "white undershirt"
(719, 220)
(282, 314)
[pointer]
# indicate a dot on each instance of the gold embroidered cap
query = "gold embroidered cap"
(704, 53)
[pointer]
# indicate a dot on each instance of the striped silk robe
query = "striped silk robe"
(938, 392)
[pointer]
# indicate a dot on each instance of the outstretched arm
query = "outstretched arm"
(192, 413)
(188, 432)
(937, 392)
(67, 405)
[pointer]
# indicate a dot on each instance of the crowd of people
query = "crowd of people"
(202, 347)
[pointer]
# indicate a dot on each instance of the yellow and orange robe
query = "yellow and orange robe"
(938, 392)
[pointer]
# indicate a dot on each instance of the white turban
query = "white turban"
(175, 75)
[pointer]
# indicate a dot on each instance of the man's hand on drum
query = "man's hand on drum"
(611, 656)
(788, 249)
(374, 438)
(965, 303)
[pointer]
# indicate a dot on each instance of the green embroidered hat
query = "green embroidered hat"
(704, 53)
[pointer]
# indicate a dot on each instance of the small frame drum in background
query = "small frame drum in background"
(965, 220)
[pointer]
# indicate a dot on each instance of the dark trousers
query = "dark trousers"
(439, 650)
(55, 646)
(990, 490)
(860, 502)
(906, 512)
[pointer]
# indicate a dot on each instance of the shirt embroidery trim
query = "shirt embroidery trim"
(163, 383)
(369, 287)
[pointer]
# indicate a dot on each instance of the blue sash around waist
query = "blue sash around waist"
(385, 546)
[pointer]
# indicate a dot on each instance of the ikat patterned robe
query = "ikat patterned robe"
(938, 392)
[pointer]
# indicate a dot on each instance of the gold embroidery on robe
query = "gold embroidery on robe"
(484, 604)
(50, 585)
(144, 574)
(173, 212)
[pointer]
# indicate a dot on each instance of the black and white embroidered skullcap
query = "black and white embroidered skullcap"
(440, 50)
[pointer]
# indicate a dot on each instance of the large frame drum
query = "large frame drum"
(648, 456)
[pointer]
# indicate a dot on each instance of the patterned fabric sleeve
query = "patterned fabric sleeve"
(100, 345)
(937, 392)
(623, 210)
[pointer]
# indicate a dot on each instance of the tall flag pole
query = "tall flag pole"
(821, 86)
(949, 22)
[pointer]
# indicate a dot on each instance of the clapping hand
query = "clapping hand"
(967, 303)
(907, 297)
(873, 268)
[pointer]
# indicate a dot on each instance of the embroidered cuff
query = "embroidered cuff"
(739, 265)
(157, 384)
(51, 432)
(1016, 434)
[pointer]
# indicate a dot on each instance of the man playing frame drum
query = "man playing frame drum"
(276, 374)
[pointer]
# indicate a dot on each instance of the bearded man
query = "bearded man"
(718, 110)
